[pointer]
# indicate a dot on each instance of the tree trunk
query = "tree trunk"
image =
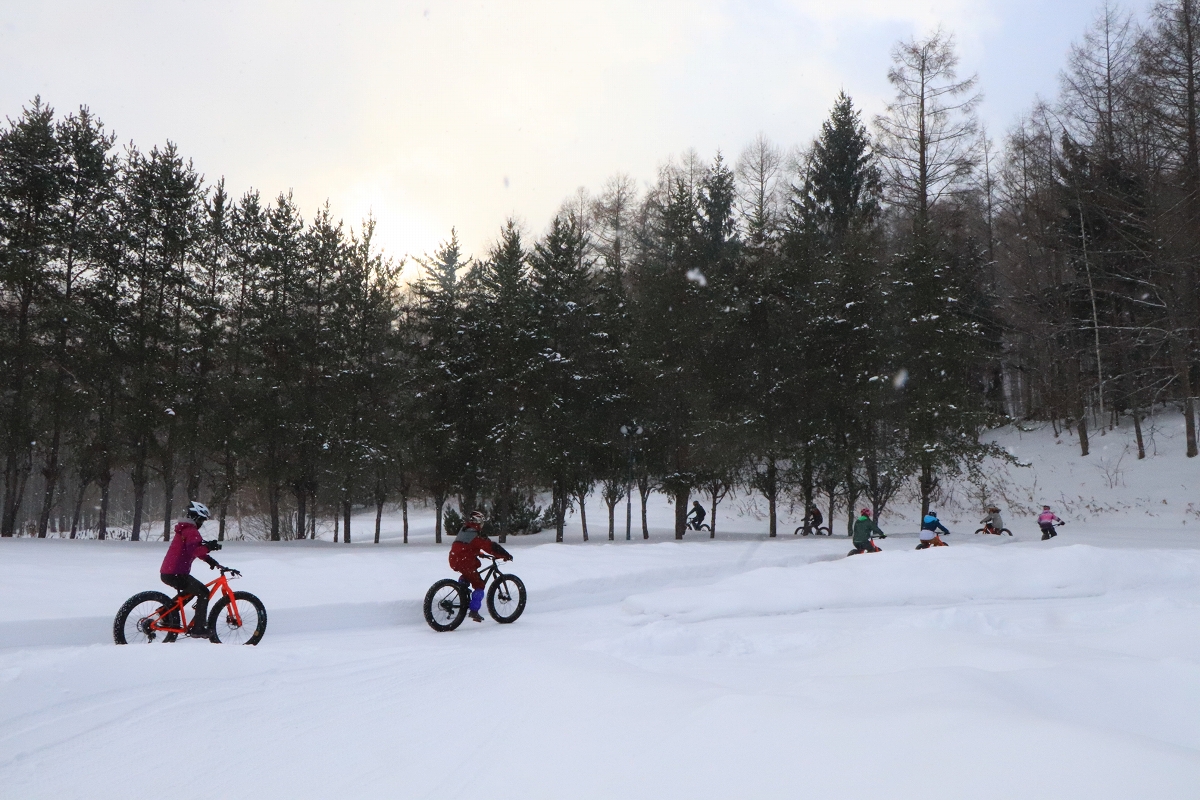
(1083, 432)
(928, 484)
(378, 516)
(831, 490)
(612, 517)
(404, 512)
(50, 471)
(1189, 413)
(1137, 430)
(227, 491)
(712, 520)
(681, 511)
(440, 501)
(583, 514)
(851, 499)
(559, 498)
(102, 523)
(139, 492)
(273, 501)
(772, 493)
(83, 487)
(644, 491)
(807, 489)
(300, 490)
(168, 506)
(346, 521)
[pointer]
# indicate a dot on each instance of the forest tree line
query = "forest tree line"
(836, 325)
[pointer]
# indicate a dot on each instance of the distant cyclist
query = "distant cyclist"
(814, 518)
(865, 530)
(993, 522)
(931, 526)
(1046, 521)
(464, 558)
(696, 516)
(176, 570)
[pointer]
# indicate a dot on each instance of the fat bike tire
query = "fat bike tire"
(506, 599)
(131, 625)
(253, 613)
(445, 605)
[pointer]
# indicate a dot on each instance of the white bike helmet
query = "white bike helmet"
(198, 511)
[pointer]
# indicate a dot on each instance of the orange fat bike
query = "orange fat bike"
(149, 617)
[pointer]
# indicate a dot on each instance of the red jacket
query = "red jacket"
(464, 553)
(185, 548)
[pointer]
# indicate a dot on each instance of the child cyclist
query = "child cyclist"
(464, 558)
(813, 517)
(931, 526)
(1046, 521)
(176, 570)
(865, 530)
(993, 522)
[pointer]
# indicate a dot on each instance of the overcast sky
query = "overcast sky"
(454, 113)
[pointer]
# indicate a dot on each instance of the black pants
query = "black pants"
(193, 586)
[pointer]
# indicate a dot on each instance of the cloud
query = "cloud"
(453, 113)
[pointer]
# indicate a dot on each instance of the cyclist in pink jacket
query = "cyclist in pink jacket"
(176, 570)
(1046, 521)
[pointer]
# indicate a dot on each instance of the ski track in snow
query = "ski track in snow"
(727, 669)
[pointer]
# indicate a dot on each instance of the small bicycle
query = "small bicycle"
(149, 617)
(820, 530)
(447, 601)
(693, 525)
(995, 531)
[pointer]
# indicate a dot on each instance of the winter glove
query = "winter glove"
(211, 545)
(232, 572)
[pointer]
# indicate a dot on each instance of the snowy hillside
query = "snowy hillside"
(735, 668)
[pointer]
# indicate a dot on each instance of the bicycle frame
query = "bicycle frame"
(491, 571)
(222, 583)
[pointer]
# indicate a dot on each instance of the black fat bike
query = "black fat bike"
(447, 601)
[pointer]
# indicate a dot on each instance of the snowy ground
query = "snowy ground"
(736, 668)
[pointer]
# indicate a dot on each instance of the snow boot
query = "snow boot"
(474, 616)
(924, 545)
(199, 632)
(1045, 535)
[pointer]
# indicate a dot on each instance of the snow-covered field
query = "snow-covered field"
(735, 668)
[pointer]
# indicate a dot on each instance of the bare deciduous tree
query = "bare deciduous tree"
(929, 135)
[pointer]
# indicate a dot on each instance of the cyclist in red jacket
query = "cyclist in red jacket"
(176, 570)
(464, 558)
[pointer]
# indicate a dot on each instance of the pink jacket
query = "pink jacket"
(185, 548)
(1047, 518)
